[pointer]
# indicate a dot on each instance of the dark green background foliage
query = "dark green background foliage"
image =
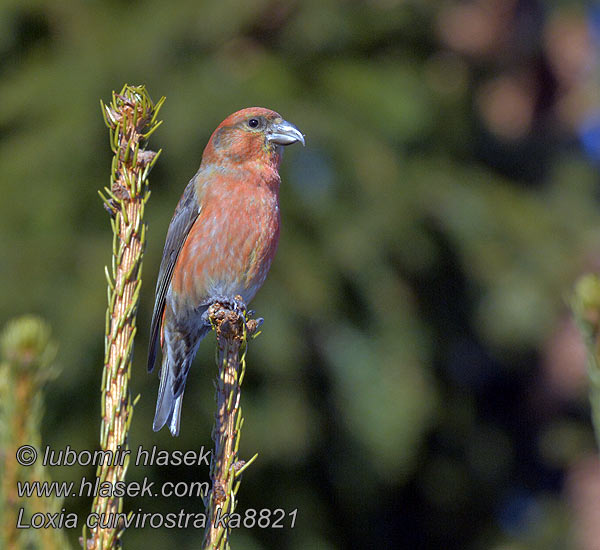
(418, 383)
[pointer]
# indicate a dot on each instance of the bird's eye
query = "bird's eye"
(253, 123)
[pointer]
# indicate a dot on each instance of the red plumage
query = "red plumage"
(220, 243)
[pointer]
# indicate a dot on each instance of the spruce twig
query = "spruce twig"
(27, 353)
(586, 309)
(131, 118)
(233, 330)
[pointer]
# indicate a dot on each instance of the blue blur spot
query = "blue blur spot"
(312, 175)
(594, 22)
(517, 512)
(589, 135)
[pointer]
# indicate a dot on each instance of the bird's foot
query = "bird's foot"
(253, 325)
(220, 305)
(236, 305)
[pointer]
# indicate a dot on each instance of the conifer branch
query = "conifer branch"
(27, 353)
(131, 118)
(233, 330)
(586, 309)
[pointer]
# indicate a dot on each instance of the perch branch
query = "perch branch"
(233, 330)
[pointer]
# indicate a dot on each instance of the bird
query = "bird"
(220, 243)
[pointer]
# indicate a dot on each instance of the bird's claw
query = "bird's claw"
(253, 325)
(220, 306)
(235, 305)
(239, 306)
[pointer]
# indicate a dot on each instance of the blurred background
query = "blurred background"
(419, 382)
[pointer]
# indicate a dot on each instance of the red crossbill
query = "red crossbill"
(220, 243)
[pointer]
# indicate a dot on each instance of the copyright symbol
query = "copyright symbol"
(26, 455)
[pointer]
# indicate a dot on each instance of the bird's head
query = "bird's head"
(251, 135)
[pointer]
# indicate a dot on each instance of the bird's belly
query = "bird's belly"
(227, 256)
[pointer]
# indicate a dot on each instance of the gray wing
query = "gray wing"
(185, 215)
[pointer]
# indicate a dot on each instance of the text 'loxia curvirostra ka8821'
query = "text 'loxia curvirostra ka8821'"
(220, 243)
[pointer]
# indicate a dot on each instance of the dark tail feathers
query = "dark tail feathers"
(168, 405)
